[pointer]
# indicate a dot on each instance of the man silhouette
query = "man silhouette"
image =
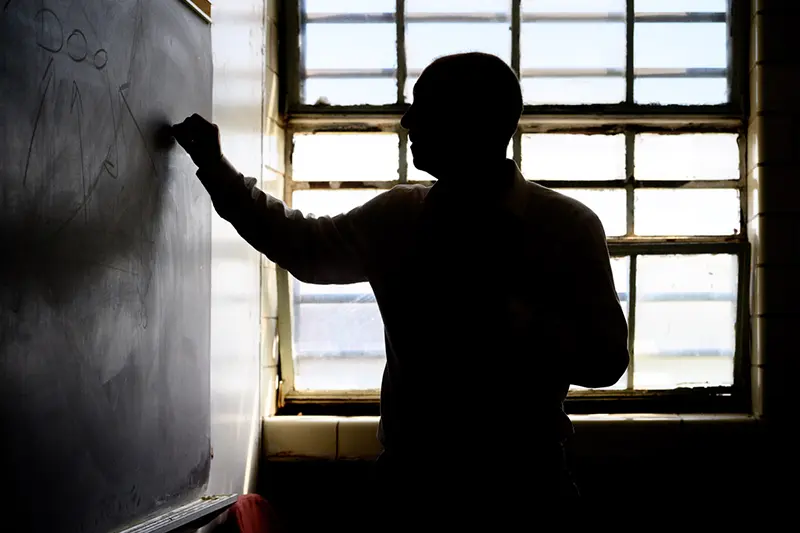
(496, 293)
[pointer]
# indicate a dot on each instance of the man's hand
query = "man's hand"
(200, 139)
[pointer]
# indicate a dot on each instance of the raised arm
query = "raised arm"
(595, 333)
(324, 250)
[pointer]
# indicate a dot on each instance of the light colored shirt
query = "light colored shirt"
(494, 300)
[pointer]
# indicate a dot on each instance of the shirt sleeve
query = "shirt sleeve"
(595, 332)
(323, 250)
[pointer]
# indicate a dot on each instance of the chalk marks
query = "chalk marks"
(76, 99)
(100, 59)
(44, 87)
(77, 47)
(49, 30)
(50, 36)
(122, 88)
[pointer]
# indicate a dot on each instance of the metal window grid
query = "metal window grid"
(627, 118)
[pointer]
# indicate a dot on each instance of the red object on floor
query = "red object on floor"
(251, 514)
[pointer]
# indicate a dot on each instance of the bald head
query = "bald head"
(463, 102)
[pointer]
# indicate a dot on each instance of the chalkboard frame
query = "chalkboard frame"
(201, 7)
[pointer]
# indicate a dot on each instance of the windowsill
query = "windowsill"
(333, 438)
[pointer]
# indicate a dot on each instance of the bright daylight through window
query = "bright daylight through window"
(644, 133)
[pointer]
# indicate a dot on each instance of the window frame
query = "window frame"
(626, 118)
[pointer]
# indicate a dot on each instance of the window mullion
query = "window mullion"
(629, 19)
(302, 46)
(400, 19)
(631, 317)
(516, 8)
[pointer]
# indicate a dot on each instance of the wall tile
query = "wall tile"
(773, 87)
(769, 34)
(773, 189)
(269, 336)
(358, 438)
(269, 289)
(776, 290)
(773, 139)
(774, 336)
(271, 95)
(775, 239)
(301, 437)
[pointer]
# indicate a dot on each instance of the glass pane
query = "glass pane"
(338, 338)
(703, 156)
(414, 174)
(554, 156)
(573, 91)
(680, 91)
(342, 46)
(458, 6)
(345, 157)
(685, 321)
(681, 212)
(620, 268)
(573, 6)
(681, 6)
(675, 45)
(572, 45)
(408, 90)
(350, 6)
(344, 91)
(338, 331)
(608, 204)
(427, 41)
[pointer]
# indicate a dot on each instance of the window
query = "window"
(632, 107)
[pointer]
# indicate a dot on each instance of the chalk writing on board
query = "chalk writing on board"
(47, 22)
(77, 47)
(44, 87)
(78, 109)
(62, 85)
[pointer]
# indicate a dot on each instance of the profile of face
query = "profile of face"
(426, 121)
(460, 111)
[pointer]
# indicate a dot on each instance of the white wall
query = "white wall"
(245, 85)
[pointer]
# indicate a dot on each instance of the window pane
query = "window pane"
(408, 90)
(573, 6)
(553, 156)
(681, 6)
(713, 156)
(344, 91)
(608, 204)
(573, 91)
(676, 212)
(345, 157)
(458, 6)
(675, 45)
(427, 41)
(572, 45)
(338, 332)
(344, 46)
(680, 91)
(350, 6)
(619, 268)
(685, 321)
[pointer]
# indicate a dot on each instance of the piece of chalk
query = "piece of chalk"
(163, 136)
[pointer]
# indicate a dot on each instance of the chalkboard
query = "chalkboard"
(104, 263)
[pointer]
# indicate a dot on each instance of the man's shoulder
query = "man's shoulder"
(555, 203)
(404, 194)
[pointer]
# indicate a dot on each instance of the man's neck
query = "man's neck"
(483, 173)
